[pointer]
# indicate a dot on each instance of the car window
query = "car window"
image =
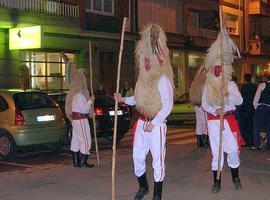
(32, 100)
(3, 104)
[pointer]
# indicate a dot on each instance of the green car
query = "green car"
(183, 111)
(28, 118)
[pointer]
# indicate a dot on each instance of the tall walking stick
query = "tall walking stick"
(221, 127)
(116, 109)
(92, 92)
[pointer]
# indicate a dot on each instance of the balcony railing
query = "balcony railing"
(200, 32)
(49, 7)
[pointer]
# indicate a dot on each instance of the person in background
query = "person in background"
(201, 127)
(100, 90)
(246, 110)
(128, 91)
(261, 104)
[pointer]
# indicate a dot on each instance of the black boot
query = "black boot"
(206, 141)
(157, 190)
(84, 163)
(143, 189)
(76, 158)
(235, 178)
(216, 187)
(199, 141)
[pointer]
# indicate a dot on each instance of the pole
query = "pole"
(221, 127)
(116, 109)
(92, 92)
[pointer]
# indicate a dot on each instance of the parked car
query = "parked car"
(27, 118)
(104, 115)
(183, 110)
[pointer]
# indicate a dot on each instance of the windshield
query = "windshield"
(32, 100)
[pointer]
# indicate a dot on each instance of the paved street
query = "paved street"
(51, 176)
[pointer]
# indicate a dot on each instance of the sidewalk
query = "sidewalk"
(188, 177)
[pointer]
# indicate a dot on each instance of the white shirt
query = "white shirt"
(234, 98)
(80, 104)
(257, 96)
(166, 95)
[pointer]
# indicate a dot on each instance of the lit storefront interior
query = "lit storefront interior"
(46, 70)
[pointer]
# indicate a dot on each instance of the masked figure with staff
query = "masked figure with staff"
(219, 99)
(153, 98)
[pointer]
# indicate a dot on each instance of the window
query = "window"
(3, 104)
(100, 6)
(45, 70)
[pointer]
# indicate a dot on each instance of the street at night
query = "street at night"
(46, 175)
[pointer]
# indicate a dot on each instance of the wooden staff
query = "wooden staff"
(221, 127)
(93, 105)
(116, 109)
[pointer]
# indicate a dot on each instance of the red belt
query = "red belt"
(226, 115)
(144, 118)
(77, 116)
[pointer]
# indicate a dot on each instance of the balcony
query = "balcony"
(259, 7)
(48, 7)
(203, 33)
(259, 47)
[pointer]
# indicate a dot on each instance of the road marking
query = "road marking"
(188, 141)
(28, 166)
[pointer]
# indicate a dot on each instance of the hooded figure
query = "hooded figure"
(153, 97)
(77, 109)
(220, 96)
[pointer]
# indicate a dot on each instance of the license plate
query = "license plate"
(119, 112)
(45, 118)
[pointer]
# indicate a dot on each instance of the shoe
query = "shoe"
(84, 163)
(216, 187)
(254, 148)
(157, 190)
(141, 193)
(237, 183)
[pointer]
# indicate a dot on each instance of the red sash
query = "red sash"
(233, 126)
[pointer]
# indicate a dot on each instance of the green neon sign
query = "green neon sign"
(25, 38)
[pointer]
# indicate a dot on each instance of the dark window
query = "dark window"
(3, 104)
(33, 100)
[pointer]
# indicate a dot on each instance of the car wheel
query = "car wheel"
(7, 145)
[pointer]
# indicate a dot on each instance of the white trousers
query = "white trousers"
(229, 145)
(155, 142)
(81, 136)
(201, 121)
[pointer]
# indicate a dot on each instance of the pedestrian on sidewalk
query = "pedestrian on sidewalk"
(220, 97)
(153, 98)
(77, 108)
(261, 104)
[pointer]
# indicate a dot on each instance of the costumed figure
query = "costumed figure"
(77, 109)
(195, 95)
(153, 97)
(220, 96)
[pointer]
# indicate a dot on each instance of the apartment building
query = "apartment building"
(33, 33)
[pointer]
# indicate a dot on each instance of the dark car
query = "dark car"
(104, 115)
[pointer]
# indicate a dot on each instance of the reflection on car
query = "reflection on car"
(104, 115)
(183, 110)
(27, 118)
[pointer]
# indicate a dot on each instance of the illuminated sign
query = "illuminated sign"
(25, 38)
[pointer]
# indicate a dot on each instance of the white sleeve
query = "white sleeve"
(82, 104)
(258, 94)
(130, 101)
(235, 97)
(166, 95)
(205, 106)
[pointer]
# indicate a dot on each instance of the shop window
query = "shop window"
(100, 6)
(47, 70)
